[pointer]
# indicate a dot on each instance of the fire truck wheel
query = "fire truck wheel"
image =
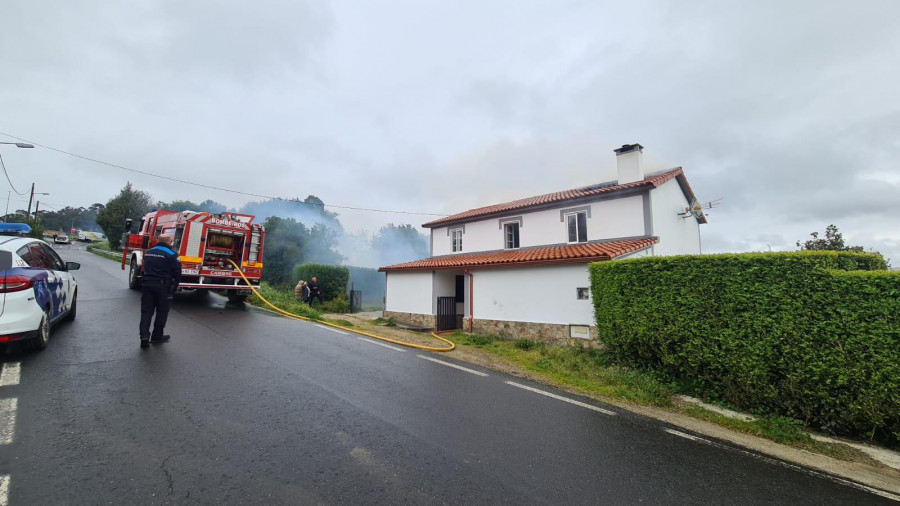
(237, 299)
(134, 282)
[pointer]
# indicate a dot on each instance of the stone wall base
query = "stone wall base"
(413, 319)
(540, 332)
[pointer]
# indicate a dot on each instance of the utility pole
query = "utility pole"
(29, 201)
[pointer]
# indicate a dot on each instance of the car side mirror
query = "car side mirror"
(128, 225)
(73, 266)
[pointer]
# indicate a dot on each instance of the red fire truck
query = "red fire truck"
(204, 243)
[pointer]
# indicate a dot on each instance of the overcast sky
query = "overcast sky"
(787, 110)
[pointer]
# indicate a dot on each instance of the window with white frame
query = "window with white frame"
(511, 234)
(457, 239)
(577, 226)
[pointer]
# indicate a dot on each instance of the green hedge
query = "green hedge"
(332, 278)
(813, 335)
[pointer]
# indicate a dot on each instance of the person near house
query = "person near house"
(314, 291)
(302, 291)
(162, 273)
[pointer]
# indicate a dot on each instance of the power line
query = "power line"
(8, 179)
(101, 162)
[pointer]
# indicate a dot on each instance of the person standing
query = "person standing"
(314, 292)
(301, 291)
(162, 273)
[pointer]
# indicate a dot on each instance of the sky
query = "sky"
(786, 111)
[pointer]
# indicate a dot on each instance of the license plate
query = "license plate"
(193, 272)
(220, 273)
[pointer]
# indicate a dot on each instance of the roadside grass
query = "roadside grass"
(594, 371)
(586, 369)
(783, 430)
(386, 322)
(102, 249)
(283, 299)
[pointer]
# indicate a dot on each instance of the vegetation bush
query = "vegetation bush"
(339, 305)
(811, 335)
(332, 279)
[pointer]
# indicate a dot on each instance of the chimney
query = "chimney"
(628, 163)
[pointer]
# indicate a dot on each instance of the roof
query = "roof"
(652, 180)
(540, 255)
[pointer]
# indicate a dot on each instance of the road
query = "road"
(243, 407)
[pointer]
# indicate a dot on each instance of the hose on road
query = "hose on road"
(277, 309)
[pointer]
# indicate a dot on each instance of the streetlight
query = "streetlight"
(18, 145)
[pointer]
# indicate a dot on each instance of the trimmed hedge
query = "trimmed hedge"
(813, 335)
(332, 278)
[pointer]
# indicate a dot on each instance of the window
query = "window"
(457, 240)
(577, 225)
(583, 293)
(56, 263)
(511, 232)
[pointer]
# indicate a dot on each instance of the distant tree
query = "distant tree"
(283, 249)
(321, 247)
(130, 203)
(398, 243)
(37, 230)
(834, 241)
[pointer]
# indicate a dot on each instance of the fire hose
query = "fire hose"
(355, 331)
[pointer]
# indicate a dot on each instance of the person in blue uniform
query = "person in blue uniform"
(162, 273)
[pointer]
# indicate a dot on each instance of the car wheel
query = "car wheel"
(73, 308)
(43, 337)
(134, 282)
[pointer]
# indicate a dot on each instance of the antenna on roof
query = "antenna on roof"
(696, 209)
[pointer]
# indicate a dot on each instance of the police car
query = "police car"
(37, 289)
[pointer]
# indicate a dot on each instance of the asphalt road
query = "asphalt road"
(243, 407)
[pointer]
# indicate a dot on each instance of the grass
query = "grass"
(587, 369)
(386, 322)
(283, 299)
(780, 429)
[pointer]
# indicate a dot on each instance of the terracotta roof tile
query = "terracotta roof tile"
(568, 253)
(653, 180)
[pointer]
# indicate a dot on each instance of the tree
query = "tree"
(398, 243)
(283, 248)
(129, 203)
(833, 241)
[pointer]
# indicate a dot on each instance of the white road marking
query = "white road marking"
(330, 328)
(448, 364)
(9, 375)
(688, 436)
(561, 398)
(4, 490)
(381, 344)
(7, 419)
(852, 484)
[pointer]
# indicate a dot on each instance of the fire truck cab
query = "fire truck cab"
(206, 244)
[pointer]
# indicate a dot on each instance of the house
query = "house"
(520, 269)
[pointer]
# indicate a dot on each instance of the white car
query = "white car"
(37, 290)
(61, 239)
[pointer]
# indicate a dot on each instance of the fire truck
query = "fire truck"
(204, 243)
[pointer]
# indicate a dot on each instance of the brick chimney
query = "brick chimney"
(629, 163)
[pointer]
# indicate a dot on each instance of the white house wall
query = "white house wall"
(609, 219)
(536, 294)
(409, 292)
(444, 283)
(677, 235)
